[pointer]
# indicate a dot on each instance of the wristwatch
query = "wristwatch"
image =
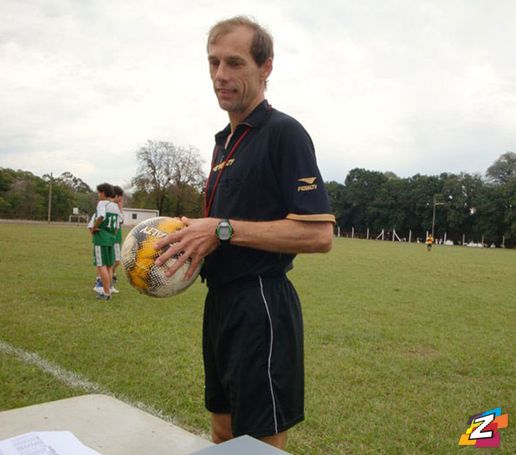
(224, 231)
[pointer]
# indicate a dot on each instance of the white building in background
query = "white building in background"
(135, 216)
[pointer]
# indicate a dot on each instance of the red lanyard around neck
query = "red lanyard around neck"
(209, 201)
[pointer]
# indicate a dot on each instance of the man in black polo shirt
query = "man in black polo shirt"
(265, 202)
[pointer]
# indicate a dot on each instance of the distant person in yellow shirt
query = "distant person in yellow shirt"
(429, 242)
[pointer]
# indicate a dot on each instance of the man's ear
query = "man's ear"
(267, 69)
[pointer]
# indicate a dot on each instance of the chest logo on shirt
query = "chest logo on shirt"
(310, 184)
(221, 166)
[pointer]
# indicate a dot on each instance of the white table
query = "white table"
(105, 424)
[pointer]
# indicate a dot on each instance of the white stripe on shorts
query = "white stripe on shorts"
(98, 256)
(270, 356)
(118, 255)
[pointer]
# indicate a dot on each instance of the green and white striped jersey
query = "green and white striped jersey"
(111, 219)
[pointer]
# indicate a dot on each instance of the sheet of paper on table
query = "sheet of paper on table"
(45, 443)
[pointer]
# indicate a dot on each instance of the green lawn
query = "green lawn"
(402, 346)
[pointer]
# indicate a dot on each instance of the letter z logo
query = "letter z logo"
(482, 430)
(478, 432)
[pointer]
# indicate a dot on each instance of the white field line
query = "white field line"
(77, 381)
(69, 378)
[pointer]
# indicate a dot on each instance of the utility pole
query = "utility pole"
(50, 198)
(433, 216)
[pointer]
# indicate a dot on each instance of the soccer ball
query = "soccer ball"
(139, 254)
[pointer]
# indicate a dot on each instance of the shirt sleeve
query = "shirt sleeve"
(302, 185)
(101, 209)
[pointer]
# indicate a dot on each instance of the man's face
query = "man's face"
(238, 81)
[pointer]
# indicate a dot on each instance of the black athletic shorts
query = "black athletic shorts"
(253, 355)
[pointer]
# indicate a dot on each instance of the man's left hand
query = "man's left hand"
(196, 240)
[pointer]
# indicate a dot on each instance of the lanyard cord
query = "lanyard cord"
(209, 201)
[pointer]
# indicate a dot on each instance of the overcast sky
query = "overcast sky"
(407, 86)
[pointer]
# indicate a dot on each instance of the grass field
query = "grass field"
(402, 346)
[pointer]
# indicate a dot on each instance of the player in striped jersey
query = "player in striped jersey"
(104, 230)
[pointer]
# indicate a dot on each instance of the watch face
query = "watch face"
(224, 231)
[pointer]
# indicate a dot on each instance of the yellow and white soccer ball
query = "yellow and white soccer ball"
(139, 254)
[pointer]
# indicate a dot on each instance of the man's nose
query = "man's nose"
(221, 72)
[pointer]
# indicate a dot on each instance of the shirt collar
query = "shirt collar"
(253, 120)
(258, 116)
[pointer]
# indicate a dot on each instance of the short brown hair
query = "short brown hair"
(262, 46)
(107, 189)
(118, 191)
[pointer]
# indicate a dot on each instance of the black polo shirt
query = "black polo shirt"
(271, 175)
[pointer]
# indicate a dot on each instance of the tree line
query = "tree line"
(170, 178)
(467, 206)
(24, 195)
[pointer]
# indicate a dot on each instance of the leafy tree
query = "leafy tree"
(488, 214)
(419, 198)
(509, 197)
(388, 208)
(63, 198)
(188, 180)
(75, 184)
(170, 176)
(460, 193)
(390, 175)
(25, 196)
(7, 177)
(335, 194)
(360, 189)
(69, 192)
(503, 169)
